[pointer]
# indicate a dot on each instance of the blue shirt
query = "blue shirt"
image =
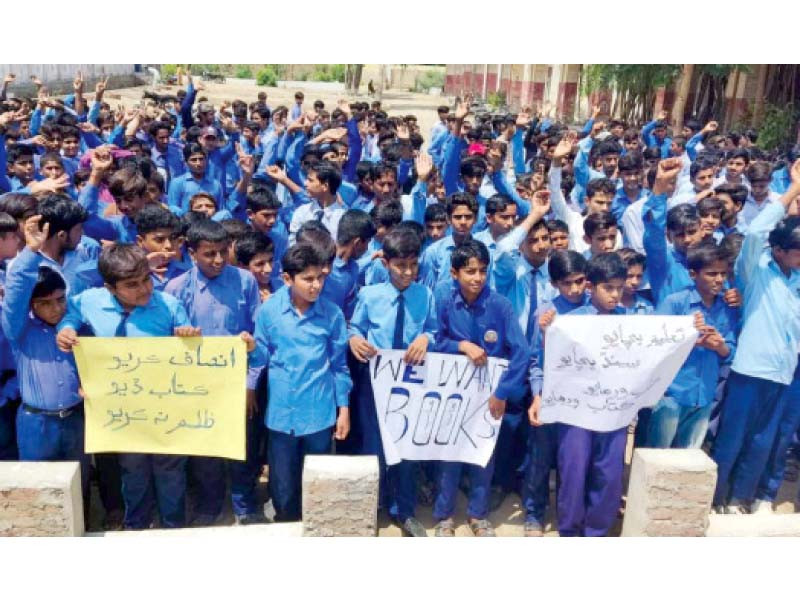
(490, 323)
(306, 358)
(641, 306)
(170, 163)
(666, 266)
(100, 311)
(770, 333)
(780, 181)
(376, 313)
(183, 187)
(651, 141)
(696, 381)
(341, 285)
(48, 378)
(224, 305)
(114, 228)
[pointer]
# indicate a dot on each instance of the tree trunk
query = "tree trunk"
(758, 106)
(357, 71)
(730, 108)
(379, 86)
(679, 108)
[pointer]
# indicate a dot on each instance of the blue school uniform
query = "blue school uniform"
(50, 422)
(680, 419)
(640, 306)
(651, 141)
(183, 187)
(170, 163)
(542, 446)
(763, 366)
(386, 321)
(341, 285)
(308, 380)
(223, 306)
(666, 266)
(114, 228)
(490, 323)
(148, 480)
(590, 467)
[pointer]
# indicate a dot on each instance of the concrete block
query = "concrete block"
(669, 493)
(777, 525)
(41, 499)
(340, 496)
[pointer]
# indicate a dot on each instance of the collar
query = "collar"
(284, 298)
(460, 301)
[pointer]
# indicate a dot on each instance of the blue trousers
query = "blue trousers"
(397, 483)
(542, 455)
(511, 448)
(286, 454)
(8, 436)
(244, 473)
(789, 423)
(590, 464)
(207, 488)
(673, 425)
(46, 437)
(480, 484)
(747, 429)
(150, 481)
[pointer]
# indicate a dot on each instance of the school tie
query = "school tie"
(399, 323)
(534, 296)
(120, 332)
(318, 216)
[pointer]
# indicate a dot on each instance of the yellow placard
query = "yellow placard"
(164, 395)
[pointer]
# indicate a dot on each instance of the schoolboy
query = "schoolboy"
(600, 232)
(701, 176)
(400, 315)
(302, 339)
(356, 230)
(591, 459)
(631, 171)
(766, 357)
(205, 203)
(158, 232)
(758, 176)
(127, 306)
(197, 179)
(732, 197)
(49, 423)
(21, 163)
(709, 209)
(386, 216)
(263, 209)
(435, 224)
(255, 253)
(559, 234)
(634, 301)
(462, 212)
(220, 300)
(567, 270)
(680, 419)
(476, 321)
(501, 216)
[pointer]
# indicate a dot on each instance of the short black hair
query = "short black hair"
(498, 203)
(236, 229)
(122, 261)
(737, 192)
(469, 249)
(192, 148)
(705, 253)
(263, 198)
(601, 184)
(731, 245)
(461, 199)
(594, 222)
(605, 148)
(700, 164)
(786, 234)
(155, 216)
(554, 225)
(473, 166)
(602, 268)
(435, 212)
(401, 243)
(48, 281)
(250, 244)
(17, 151)
(8, 224)
(681, 217)
(61, 212)
(18, 205)
(739, 153)
(563, 263)
(709, 204)
(632, 161)
(300, 257)
(632, 258)
(317, 236)
(206, 231)
(327, 173)
(387, 214)
(354, 224)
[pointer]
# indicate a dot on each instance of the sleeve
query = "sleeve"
(229, 149)
(293, 158)
(504, 266)
(755, 240)
(581, 167)
(431, 325)
(95, 225)
(94, 113)
(174, 196)
(587, 127)
(419, 202)
(536, 369)
(451, 163)
(359, 322)
(73, 319)
(338, 359)
(179, 316)
(20, 281)
(691, 145)
(444, 341)
(186, 106)
(5, 184)
(500, 182)
(428, 267)
(259, 358)
(403, 171)
(354, 145)
(518, 152)
(633, 230)
(654, 216)
(519, 352)
(647, 134)
(557, 202)
(36, 121)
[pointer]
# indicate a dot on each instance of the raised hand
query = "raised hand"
(102, 159)
(463, 108)
(35, 237)
(77, 83)
(565, 146)
(344, 106)
(424, 166)
(595, 111)
(275, 172)
(662, 115)
(100, 88)
(541, 202)
(666, 175)
(10, 78)
(524, 117)
(710, 127)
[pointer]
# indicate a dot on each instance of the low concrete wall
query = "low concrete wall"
(40, 499)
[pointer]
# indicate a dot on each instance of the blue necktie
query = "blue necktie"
(534, 296)
(399, 323)
(120, 332)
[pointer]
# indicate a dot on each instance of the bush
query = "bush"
(496, 99)
(168, 71)
(779, 126)
(429, 79)
(267, 76)
(244, 72)
(327, 73)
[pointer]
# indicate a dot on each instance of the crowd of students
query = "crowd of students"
(322, 236)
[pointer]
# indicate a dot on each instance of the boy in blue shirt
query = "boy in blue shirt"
(401, 315)
(766, 357)
(263, 208)
(462, 211)
(158, 232)
(590, 462)
(680, 419)
(128, 306)
(197, 179)
(633, 300)
(220, 300)
(567, 270)
(302, 340)
(255, 253)
(435, 224)
(477, 321)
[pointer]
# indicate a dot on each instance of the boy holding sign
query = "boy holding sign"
(128, 307)
(590, 462)
(478, 322)
(399, 315)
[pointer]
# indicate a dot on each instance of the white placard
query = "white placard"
(435, 411)
(600, 370)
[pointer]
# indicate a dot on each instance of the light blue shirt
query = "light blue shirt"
(376, 313)
(312, 211)
(183, 187)
(306, 358)
(770, 334)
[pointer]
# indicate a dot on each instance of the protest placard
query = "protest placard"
(437, 410)
(166, 395)
(600, 370)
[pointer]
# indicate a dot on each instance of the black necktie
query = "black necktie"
(399, 323)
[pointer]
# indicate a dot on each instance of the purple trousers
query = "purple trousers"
(590, 466)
